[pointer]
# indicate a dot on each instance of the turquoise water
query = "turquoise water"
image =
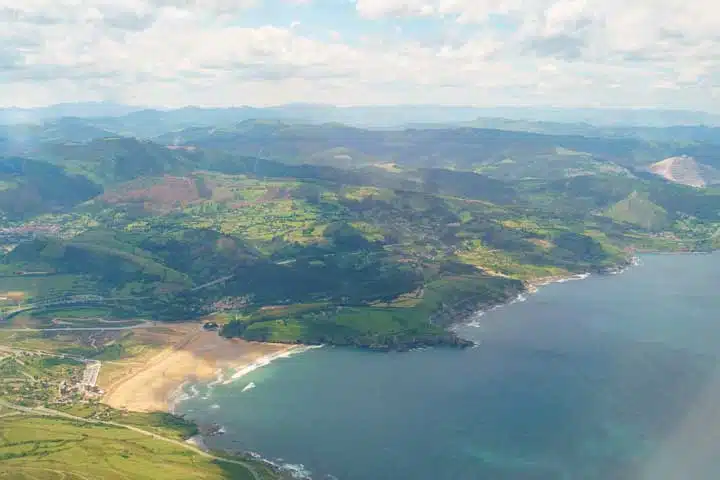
(613, 377)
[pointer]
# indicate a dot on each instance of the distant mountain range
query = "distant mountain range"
(365, 116)
(82, 110)
(516, 150)
(689, 133)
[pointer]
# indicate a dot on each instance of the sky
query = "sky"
(171, 53)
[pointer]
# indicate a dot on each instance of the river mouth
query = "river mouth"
(610, 377)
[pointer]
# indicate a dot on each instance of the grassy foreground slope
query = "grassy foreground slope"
(38, 447)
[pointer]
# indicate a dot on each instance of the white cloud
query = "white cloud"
(173, 52)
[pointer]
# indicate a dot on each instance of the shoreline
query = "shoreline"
(533, 286)
(158, 384)
(299, 471)
(239, 371)
(200, 439)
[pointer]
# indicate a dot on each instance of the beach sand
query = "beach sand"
(193, 355)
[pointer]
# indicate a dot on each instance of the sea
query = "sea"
(610, 377)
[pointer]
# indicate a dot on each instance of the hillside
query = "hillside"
(500, 153)
(113, 160)
(332, 234)
(680, 134)
(639, 210)
(29, 188)
(686, 171)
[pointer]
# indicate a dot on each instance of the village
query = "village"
(31, 377)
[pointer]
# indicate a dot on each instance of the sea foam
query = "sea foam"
(474, 320)
(267, 360)
(295, 470)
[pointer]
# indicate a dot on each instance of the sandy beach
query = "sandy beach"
(194, 355)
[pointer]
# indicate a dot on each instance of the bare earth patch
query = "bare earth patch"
(167, 194)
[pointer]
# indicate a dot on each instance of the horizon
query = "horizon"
(562, 53)
(373, 115)
(140, 107)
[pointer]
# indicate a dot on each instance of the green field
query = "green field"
(36, 448)
(43, 286)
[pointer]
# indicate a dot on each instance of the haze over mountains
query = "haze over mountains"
(524, 143)
(365, 116)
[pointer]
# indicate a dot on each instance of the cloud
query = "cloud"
(173, 52)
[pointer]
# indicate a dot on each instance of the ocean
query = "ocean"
(612, 377)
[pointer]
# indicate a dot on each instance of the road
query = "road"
(54, 413)
(210, 284)
(80, 329)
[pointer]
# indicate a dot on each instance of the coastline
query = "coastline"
(157, 385)
(235, 372)
(532, 286)
(298, 471)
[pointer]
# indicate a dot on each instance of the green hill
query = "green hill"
(29, 188)
(639, 210)
(34, 447)
(118, 268)
(116, 159)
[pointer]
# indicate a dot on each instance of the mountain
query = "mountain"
(501, 153)
(29, 188)
(678, 134)
(52, 112)
(136, 121)
(639, 210)
(26, 138)
(116, 159)
(149, 123)
(687, 171)
(71, 130)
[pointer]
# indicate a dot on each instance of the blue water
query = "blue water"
(613, 377)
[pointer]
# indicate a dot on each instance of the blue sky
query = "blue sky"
(264, 52)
